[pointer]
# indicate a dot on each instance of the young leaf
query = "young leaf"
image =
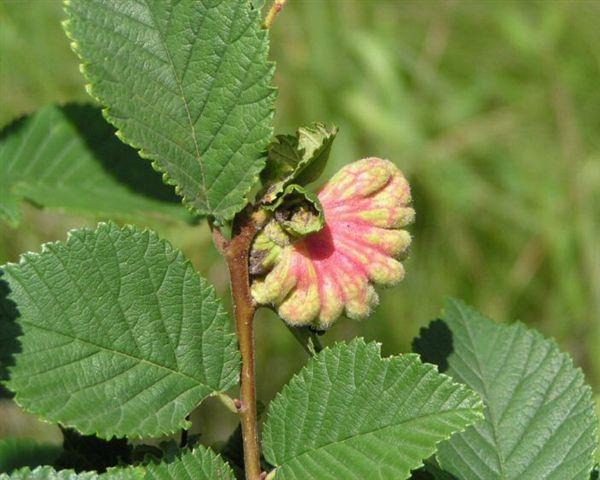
(188, 83)
(539, 415)
(298, 158)
(68, 157)
(120, 335)
(298, 211)
(16, 453)
(351, 414)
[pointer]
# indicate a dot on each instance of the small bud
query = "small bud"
(314, 279)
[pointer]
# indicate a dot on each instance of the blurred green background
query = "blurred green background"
(492, 110)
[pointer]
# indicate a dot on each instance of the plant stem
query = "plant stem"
(236, 253)
(273, 11)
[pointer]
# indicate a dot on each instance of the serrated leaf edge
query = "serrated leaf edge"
(22, 197)
(71, 234)
(228, 213)
(477, 408)
(589, 396)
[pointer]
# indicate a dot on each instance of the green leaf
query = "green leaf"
(298, 158)
(48, 473)
(17, 453)
(186, 82)
(351, 414)
(68, 157)
(120, 335)
(298, 211)
(199, 464)
(539, 415)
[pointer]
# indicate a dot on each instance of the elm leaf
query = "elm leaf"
(120, 336)
(539, 414)
(189, 84)
(351, 414)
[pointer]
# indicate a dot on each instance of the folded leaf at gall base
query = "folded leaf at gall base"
(539, 415)
(68, 157)
(351, 414)
(298, 211)
(298, 158)
(120, 336)
(189, 84)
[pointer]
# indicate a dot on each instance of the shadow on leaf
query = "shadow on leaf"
(10, 331)
(88, 452)
(118, 159)
(435, 344)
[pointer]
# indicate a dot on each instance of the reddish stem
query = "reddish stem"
(236, 253)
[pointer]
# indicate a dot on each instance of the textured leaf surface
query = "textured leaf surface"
(351, 414)
(188, 83)
(539, 415)
(68, 157)
(48, 473)
(298, 158)
(200, 464)
(120, 335)
(16, 453)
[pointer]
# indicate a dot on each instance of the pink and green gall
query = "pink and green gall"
(321, 276)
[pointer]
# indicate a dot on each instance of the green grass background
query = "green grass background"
(492, 110)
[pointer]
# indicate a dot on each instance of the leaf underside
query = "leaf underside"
(539, 415)
(186, 82)
(68, 157)
(119, 335)
(200, 464)
(351, 414)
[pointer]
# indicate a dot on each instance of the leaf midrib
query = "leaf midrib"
(183, 98)
(116, 352)
(493, 420)
(380, 429)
